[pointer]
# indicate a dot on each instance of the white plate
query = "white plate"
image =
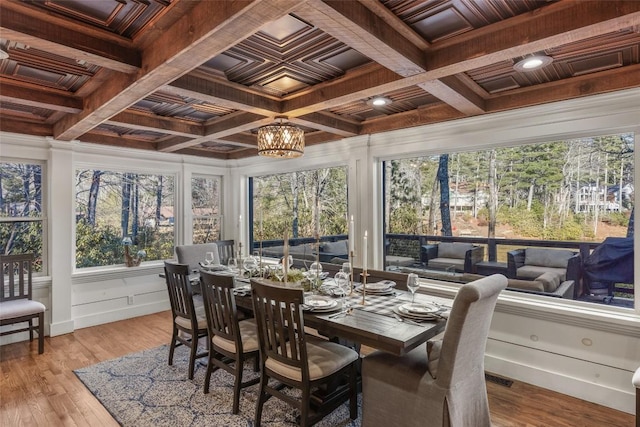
(383, 285)
(385, 291)
(320, 302)
(425, 311)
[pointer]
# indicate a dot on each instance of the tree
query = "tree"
(443, 179)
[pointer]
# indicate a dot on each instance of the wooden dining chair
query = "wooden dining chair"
(16, 303)
(441, 384)
(231, 341)
(295, 359)
(189, 319)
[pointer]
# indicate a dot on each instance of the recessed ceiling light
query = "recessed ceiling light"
(532, 63)
(379, 101)
(3, 53)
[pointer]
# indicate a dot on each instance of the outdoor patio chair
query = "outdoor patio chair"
(459, 256)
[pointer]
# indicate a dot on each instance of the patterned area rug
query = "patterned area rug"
(140, 390)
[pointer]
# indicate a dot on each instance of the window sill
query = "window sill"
(90, 275)
(617, 320)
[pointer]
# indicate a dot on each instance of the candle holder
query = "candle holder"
(364, 275)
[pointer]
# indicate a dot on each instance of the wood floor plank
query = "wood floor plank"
(42, 390)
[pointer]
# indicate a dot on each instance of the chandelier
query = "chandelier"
(280, 140)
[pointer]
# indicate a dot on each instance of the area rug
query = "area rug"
(140, 390)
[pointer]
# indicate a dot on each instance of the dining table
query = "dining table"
(374, 323)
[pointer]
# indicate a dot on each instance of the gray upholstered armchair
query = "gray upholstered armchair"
(441, 383)
(462, 257)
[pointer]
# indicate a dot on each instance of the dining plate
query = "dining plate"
(418, 311)
(384, 291)
(320, 301)
(380, 286)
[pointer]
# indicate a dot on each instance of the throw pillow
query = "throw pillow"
(556, 258)
(453, 250)
(550, 281)
(433, 357)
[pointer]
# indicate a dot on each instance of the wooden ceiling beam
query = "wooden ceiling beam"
(576, 87)
(38, 97)
(117, 141)
(49, 37)
(24, 127)
(142, 121)
(455, 93)
(418, 117)
(224, 126)
(207, 30)
(553, 25)
(327, 122)
(358, 27)
(548, 27)
(224, 94)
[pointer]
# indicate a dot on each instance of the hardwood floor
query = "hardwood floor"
(42, 390)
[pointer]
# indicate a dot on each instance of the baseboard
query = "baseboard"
(61, 328)
(580, 388)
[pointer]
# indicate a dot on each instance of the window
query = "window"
(574, 196)
(113, 206)
(22, 215)
(205, 208)
(300, 204)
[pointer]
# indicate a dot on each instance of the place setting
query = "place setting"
(383, 287)
(321, 304)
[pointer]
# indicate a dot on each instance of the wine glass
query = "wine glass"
(342, 281)
(412, 285)
(232, 264)
(346, 268)
(315, 270)
(208, 258)
(250, 265)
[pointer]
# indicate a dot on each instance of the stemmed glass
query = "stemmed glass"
(250, 265)
(342, 281)
(412, 285)
(233, 265)
(208, 259)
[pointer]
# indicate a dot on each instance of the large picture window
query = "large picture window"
(300, 204)
(22, 215)
(205, 208)
(114, 209)
(563, 209)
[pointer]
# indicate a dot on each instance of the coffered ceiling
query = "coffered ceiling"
(200, 77)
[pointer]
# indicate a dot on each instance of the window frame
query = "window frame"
(219, 217)
(530, 305)
(44, 219)
(111, 167)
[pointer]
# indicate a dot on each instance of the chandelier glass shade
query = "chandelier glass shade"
(280, 140)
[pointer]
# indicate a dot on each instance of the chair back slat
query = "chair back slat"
(226, 250)
(16, 277)
(180, 291)
(278, 313)
(220, 307)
